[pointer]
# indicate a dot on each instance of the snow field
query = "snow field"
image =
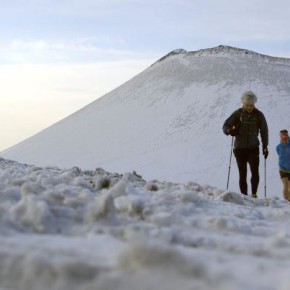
(91, 229)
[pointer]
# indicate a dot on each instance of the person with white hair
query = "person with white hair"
(245, 124)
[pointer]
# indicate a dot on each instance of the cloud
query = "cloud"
(83, 50)
(86, 30)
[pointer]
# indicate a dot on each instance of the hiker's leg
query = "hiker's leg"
(285, 187)
(241, 157)
(254, 161)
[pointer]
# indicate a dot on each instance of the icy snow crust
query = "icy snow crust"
(90, 229)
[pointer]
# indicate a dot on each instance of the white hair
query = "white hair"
(249, 97)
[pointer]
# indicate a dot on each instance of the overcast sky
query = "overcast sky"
(57, 56)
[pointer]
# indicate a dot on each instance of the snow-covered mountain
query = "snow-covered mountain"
(166, 122)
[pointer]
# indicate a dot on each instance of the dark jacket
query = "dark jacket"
(248, 127)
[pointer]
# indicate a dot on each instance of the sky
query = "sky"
(56, 56)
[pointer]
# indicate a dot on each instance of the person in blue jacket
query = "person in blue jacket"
(283, 150)
(245, 124)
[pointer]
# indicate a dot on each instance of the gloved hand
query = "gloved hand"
(233, 131)
(265, 152)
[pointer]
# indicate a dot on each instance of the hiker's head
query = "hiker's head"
(248, 100)
(284, 136)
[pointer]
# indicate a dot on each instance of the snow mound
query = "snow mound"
(75, 229)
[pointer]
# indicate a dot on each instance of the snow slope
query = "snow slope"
(71, 229)
(166, 122)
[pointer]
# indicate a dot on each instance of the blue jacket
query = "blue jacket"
(249, 127)
(283, 151)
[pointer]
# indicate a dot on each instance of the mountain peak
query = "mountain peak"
(224, 50)
(173, 52)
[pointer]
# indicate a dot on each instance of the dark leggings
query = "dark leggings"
(251, 156)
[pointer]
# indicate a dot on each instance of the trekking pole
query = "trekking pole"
(230, 162)
(265, 177)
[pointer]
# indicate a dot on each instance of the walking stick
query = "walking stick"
(265, 177)
(230, 162)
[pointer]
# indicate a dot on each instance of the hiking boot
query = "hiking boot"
(254, 195)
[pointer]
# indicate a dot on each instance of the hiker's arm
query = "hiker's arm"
(229, 123)
(264, 131)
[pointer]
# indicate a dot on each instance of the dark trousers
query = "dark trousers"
(243, 157)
